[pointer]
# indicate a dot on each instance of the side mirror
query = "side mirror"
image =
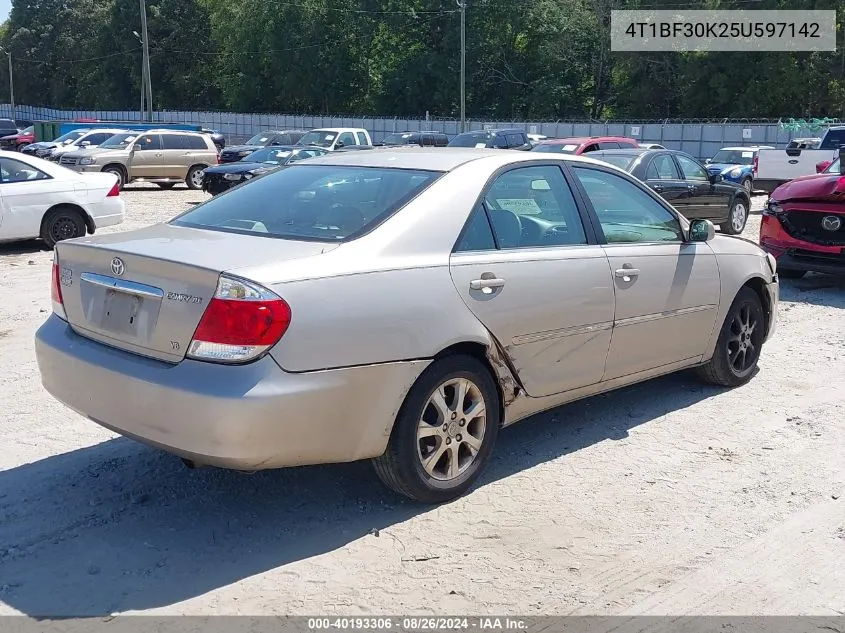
(339, 144)
(701, 231)
(716, 178)
(85, 143)
(707, 161)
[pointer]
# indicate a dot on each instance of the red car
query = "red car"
(804, 224)
(14, 142)
(582, 144)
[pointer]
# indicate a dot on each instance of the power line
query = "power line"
(334, 42)
(364, 11)
(75, 61)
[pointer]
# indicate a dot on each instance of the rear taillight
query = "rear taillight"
(756, 162)
(56, 289)
(114, 191)
(242, 321)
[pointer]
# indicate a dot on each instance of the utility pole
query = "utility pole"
(463, 5)
(11, 82)
(145, 43)
(141, 108)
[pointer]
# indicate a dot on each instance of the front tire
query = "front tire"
(740, 341)
(748, 184)
(194, 177)
(444, 433)
(737, 218)
(117, 171)
(60, 224)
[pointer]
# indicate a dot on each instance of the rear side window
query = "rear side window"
(311, 202)
(608, 145)
(662, 168)
(194, 142)
(516, 140)
(362, 140)
(172, 141)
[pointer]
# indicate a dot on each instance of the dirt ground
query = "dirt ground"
(665, 498)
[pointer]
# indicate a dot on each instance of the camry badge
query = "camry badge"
(831, 222)
(117, 266)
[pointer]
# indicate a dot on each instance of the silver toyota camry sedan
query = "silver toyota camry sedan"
(399, 305)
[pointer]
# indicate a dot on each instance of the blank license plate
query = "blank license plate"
(121, 313)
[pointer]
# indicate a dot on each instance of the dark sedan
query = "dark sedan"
(685, 184)
(219, 178)
(269, 138)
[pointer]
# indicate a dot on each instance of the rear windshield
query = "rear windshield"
(471, 139)
(734, 157)
(326, 203)
(620, 160)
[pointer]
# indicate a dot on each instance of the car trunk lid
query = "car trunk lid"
(145, 291)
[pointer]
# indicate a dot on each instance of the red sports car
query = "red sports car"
(804, 224)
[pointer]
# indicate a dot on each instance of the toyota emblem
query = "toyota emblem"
(831, 222)
(117, 266)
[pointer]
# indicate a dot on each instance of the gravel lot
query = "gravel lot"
(665, 498)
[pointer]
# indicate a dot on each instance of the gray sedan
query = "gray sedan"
(395, 305)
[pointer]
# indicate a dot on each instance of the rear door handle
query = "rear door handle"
(486, 285)
(627, 273)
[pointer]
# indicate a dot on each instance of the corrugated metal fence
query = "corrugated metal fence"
(697, 137)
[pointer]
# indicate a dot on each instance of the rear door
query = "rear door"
(667, 289)
(529, 268)
(174, 147)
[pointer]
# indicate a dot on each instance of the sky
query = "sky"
(5, 7)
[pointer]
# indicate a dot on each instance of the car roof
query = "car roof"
(583, 139)
(625, 151)
(746, 148)
(166, 130)
(108, 129)
(432, 158)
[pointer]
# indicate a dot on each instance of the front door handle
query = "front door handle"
(486, 285)
(657, 188)
(627, 273)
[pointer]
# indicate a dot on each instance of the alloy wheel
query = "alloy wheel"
(743, 343)
(738, 216)
(451, 428)
(196, 178)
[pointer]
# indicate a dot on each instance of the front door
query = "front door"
(706, 199)
(146, 159)
(534, 276)
(663, 176)
(667, 289)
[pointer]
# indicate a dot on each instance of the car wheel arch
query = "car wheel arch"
(756, 282)
(758, 285)
(89, 221)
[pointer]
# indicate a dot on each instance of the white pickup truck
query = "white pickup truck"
(773, 167)
(333, 138)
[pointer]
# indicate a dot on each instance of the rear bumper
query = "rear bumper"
(247, 417)
(108, 213)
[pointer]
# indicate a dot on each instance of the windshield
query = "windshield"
(70, 137)
(471, 139)
(320, 138)
(28, 130)
(118, 141)
(833, 168)
(620, 160)
(734, 157)
(325, 203)
(556, 148)
(262, 138)
(268, 155)
(397, 139)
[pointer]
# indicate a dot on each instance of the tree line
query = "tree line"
(526, 60)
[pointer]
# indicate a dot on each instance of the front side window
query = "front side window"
(12, 170)
(533, 206)
(347, 138)
(662, 167)
(320, 138)
(627, 213)
(325, 203)
(692, 170)
(148, 142)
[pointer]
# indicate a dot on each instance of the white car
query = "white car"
(41, 199)
(91, 139)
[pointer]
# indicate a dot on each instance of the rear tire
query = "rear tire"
(21, 146)
(787, 273)
(194, 177)
(440, 443)
(62, 223)
(737, 218)
(117, 171)
(166, 185)
(740, 341)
